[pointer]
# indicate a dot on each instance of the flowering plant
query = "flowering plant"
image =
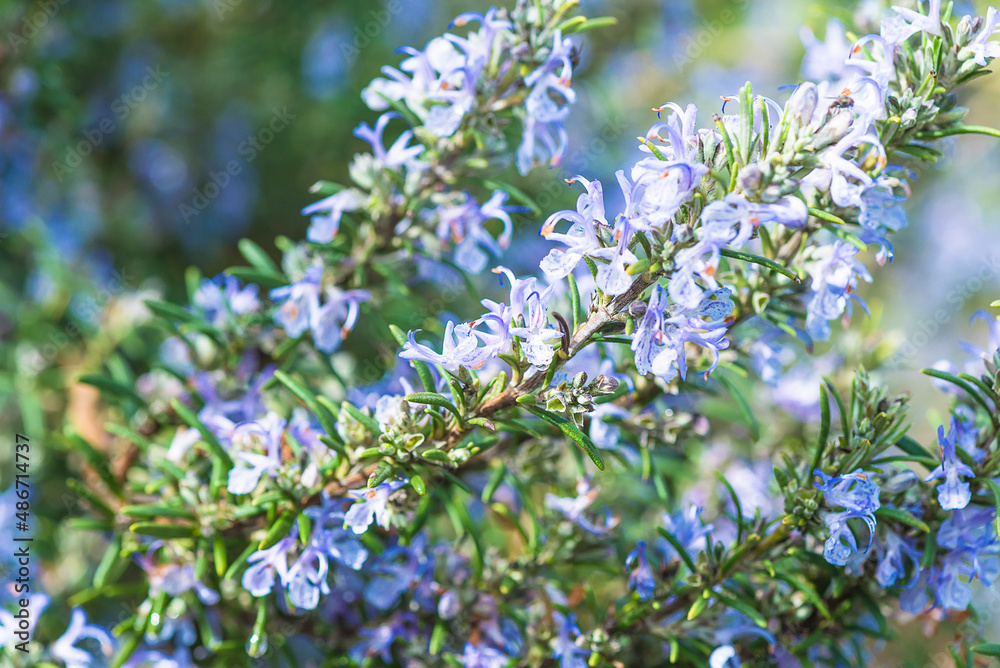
(273, 500)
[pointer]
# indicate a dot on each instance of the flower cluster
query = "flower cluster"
(286, 504)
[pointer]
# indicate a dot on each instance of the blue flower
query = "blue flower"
(581, 238)
(953, 493)
(658, 342)
(687, 528)
(378, 640)
(371, 506)
(259, 578)
(858, 495)
(526, 318)
(223, 296)
(65, 649)
(483, 656)
(460, 347)
(835, 272)
(307, 577)
(734, 625)
(980, 49)
(894, 552)
(332, 321)
(330, 535)
(882, 211)
(391, 575)
(640, 579)
(463, 224)
(570, 654)
(975, 553)
(298, 301)
(573, 508)
(544, 138)
(323, 228)
(172, 578)
(248, 439)
(399, 154)
(916, 22)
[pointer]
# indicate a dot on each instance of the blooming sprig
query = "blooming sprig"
(411, 511)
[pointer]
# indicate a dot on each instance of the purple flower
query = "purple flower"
(544, 138)
(223, 296)
(529, 315)
(371, 506)
(835, 272)
(392, 574)
(323, 228)
(612, 278)
(929, 23)
(686, 527)
(570, 654)
(307, 577)
(65, 649)
(174, 579)
(894, 552)
(825, 60)
(298, 301)
(332, 321)
(573, 508)
(399, 154)
(659, 339)
(640, 579)
(456, 100)
(536, 334)
(858, 495)
(463, 223)
(258, 579)
(980, 49)
(483, 656)
(726, 223)
(265, 435)
(953, 493)
(478, 46)
(581, 238)
(661, 188)
(378, 640)
(331, 536)
(881, 211)
(460, 347)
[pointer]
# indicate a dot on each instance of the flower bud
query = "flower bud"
(637, 309)
(802, 104)
(749, 178)
(964, 31)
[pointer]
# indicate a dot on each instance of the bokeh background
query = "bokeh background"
(115, 117)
